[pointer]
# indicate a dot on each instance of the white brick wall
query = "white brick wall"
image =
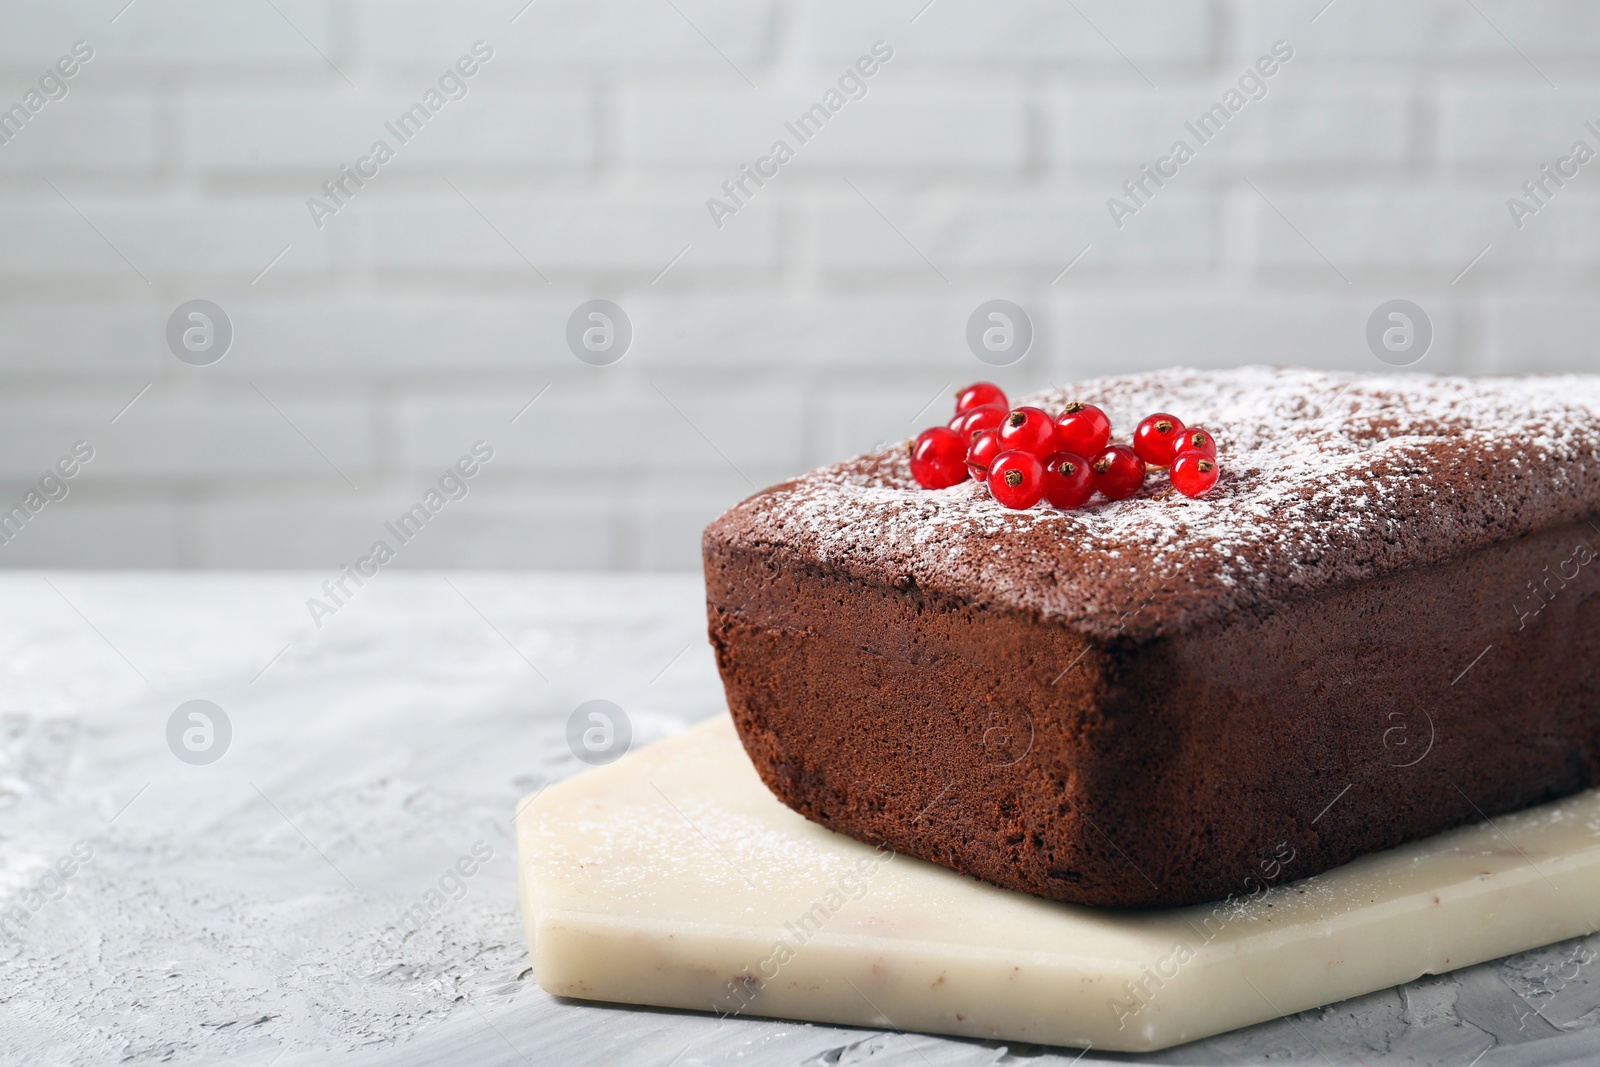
(818, 320)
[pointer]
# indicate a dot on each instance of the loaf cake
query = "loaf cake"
(1380, 624)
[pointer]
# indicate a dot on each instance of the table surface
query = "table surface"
(298, 900)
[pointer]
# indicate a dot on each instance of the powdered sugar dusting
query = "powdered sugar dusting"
(1325, 479)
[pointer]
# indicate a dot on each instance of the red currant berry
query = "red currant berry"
(1029, 429)
(982, 417)
(1083, 430)
(1016, 479)
(1194, 472)
(979, 394)
(1157, 439)
(985, 446)
(939, 458)
(1197, 441)
(1118, 472)
(1068, 482)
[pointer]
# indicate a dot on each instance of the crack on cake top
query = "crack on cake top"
(1326, 479)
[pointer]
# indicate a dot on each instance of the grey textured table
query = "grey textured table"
(293, 902)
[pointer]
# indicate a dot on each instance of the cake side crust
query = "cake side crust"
(1165, 770)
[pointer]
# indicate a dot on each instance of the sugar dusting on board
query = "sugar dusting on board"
(1326, 479)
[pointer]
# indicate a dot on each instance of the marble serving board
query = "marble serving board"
(673, 878)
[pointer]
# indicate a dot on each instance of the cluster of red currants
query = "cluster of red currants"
(1026, 455)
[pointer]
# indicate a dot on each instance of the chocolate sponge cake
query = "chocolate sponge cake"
(1383, 622)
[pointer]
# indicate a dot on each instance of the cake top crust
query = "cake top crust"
(1326, 479)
